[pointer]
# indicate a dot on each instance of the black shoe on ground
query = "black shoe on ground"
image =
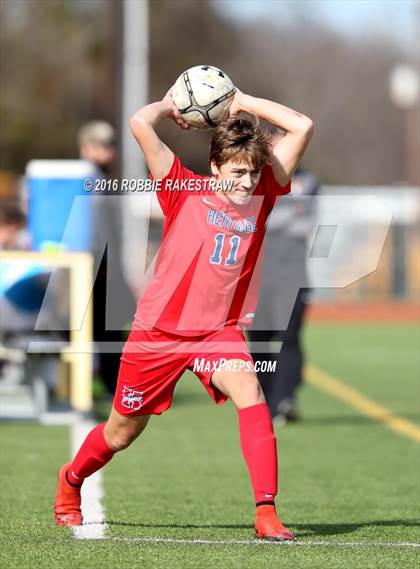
(286, 413)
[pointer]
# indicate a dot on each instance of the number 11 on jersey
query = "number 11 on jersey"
(231, 259)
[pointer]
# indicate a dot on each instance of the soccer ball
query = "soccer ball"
(202, 94)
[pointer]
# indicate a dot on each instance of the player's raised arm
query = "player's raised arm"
(287, 150)
(158, 156)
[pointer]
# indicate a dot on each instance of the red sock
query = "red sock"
(259, 448)
(93, 455)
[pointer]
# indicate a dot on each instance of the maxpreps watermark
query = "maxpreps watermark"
(234, 365)
(148, 185)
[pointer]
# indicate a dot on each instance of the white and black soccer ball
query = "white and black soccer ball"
(202, 94)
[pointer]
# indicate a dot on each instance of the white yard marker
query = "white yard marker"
(361, 544)
(94, 526)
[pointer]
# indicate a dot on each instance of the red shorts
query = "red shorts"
(153, 361)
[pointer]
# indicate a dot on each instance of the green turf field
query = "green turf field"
(349, 486)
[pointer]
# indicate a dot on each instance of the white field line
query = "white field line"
(94, 526)
(361, 544)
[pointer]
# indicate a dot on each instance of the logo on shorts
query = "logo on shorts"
(131, 399)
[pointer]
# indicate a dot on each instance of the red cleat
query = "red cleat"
(269, 527)
(67, 511)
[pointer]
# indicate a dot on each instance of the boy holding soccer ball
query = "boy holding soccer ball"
(202, 294)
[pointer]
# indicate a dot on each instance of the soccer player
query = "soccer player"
(202, 293)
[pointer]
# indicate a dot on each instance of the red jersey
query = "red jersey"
(207, 271)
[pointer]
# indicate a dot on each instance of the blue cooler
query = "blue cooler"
(53, 186)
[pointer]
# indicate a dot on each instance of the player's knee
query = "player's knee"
(250, 392)
(254, 390)
(122, 438)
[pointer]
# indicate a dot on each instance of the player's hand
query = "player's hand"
(173, 112)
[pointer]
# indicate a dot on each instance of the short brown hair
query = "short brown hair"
(241, 139)
(97, 132)
(11, 214)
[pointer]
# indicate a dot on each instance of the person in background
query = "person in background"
(22, 290)
(13, 233)
(97, 144)
(284, 296)
(13, 237)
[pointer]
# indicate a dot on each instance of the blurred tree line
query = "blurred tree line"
(60, 68)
